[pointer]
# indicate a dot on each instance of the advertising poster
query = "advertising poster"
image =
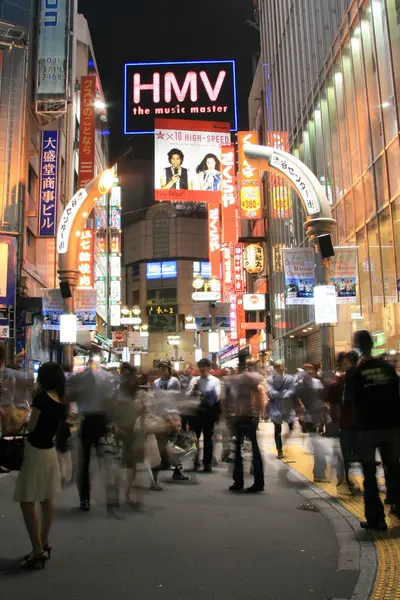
(230, 205)
(48, 192)
(188, 160)
(8, 255)
(52, 308)
(299, 275)
(249, 179)
(343, 267)
(85, 309)
(87, 130)
(214, 239)
(200, 90)
(52, 53)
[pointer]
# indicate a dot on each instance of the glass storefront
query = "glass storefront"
(350, 139)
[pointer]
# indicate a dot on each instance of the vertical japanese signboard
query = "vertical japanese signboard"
(53, 49)
(250, 192)
(280, 193)
(86, 259)
(230, 223)
(214, 239)
(233, 318)
(48, 184)
(238, 268)
(228, 271)
(87, 130)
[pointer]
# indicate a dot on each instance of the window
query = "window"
(341, 222)
(135, 297)
(351, 111)
(359, 208)
(393, 159)
(372, 83)
(363, 274)
(32, 183)
(335, 139)
(396, 228)
(393, 10)
(30, 242)
(388, 263)
(326, 136)
(343, 137)
(369, 193)
(349, 213)
(382, 188)
(385, 75)
(375, 266)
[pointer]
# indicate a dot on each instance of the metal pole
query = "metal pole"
(327, 331)
(71, 277)
(213, 311)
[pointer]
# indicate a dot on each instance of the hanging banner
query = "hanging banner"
(230, 223)
(299, 275)
(52, 308)
(343, 267)
(87, 130)
(249, 179)
(214, 239)
(85, 309)
(86, 259)
(188, 160)
(48, 193)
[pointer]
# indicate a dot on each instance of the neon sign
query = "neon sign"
(194, 89)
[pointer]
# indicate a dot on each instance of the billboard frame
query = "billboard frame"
(183, 62)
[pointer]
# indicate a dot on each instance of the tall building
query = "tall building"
(328, 88)
(45, 151)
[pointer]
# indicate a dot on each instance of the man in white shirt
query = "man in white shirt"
(208, 388)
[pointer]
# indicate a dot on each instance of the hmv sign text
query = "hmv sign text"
(201, 91)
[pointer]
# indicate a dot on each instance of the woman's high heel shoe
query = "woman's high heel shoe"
(47, 549)
(37, 561)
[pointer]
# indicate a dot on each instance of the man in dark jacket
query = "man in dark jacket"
(281, 402)
(372, 388)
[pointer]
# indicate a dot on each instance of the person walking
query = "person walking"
(93, 391)
(208, 389)
(372, 390)
(246, 397)
(281, 402)
(39, 478)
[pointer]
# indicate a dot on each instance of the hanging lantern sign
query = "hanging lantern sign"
(254, 259)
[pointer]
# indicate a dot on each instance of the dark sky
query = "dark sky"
(161, 30)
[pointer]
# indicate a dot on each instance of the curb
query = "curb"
(356, 552)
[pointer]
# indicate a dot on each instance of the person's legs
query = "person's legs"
(389, 449)
(162, 448)
(130, 476)
(374, 511)
(208, 432)
(85, 451)
(257, 459)
(278, 437)
(238, 465)
(319, 455)
(32, 525)
(47, 520)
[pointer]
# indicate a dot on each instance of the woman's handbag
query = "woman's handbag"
(12, 449)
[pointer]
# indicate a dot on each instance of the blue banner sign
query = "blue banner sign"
(48, 184)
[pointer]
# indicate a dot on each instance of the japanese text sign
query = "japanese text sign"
(53, 48)
(250, 195)
(87, 130)
(238, 268)
(48, 184)
(214, 239)
(292, 172)
(233, 318)
(86, 259)
(229, 195)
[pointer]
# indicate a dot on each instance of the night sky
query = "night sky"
(159, 30)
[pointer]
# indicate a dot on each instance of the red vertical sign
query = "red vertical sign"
(241, 318)
(87, 130)
(233, 318)
(230, 223)
(214, 239)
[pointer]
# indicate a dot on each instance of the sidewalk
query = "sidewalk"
(195, 541)
(386, 585)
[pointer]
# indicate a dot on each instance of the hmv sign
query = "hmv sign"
(202, 91)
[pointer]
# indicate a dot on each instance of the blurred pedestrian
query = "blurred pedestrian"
(39, 478)
(246, 397)
(93, 391)
(281, 405)
(208, 390)
(372, 390)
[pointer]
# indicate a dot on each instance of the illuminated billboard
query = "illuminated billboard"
(189, 90)
(250, 192)
(162, 270)
(48, 192)
(230, 224)
(188, 160)
(87, 130)
(53, 49)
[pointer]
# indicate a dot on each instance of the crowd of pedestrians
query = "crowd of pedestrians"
(129, 421)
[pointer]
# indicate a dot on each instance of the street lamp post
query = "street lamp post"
(319, 218)
(71, 224)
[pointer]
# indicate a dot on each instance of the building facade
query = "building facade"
(43, 55)
(330, 74)
(162, 255)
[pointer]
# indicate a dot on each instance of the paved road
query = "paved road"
(194, 541)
